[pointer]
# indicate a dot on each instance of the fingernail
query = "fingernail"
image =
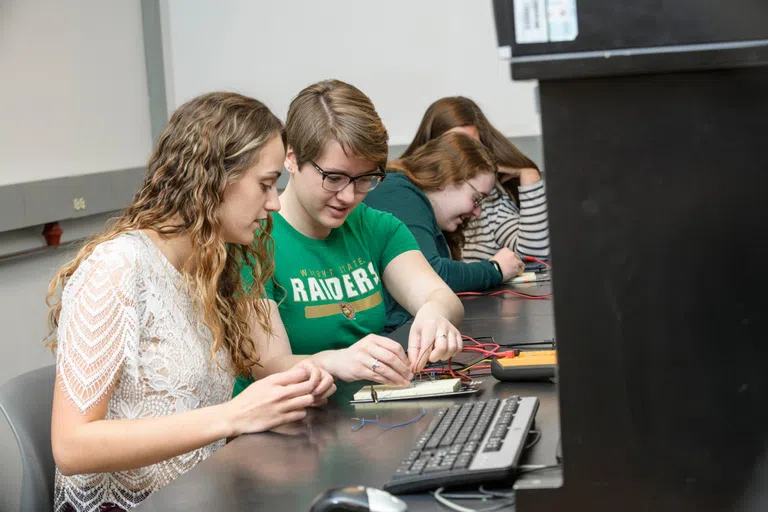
(410, 376)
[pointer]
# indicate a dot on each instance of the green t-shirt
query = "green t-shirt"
(329, 292)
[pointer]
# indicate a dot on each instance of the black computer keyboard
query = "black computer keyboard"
(474, 442)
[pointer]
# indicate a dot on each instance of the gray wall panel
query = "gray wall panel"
(38, 202)
(97, 191)
(153, 57)
(11, 207)
(50, 200)
(125, 185)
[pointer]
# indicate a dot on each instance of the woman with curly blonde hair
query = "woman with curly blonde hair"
(154, 321)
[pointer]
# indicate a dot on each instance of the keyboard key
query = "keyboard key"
(462, 461)
(505, 419)
(470, 447)
(456, 449)
(479, 431)
(449, 460)
(436, 419)
(412, 456)
(499, 431)
(422, 442)
(435, 441)
(405, 474)
(405, 468)
(493, 445)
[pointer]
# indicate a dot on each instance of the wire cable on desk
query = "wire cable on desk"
(537, 260)
(438, 495)
(535, 440)
(489, 350)
(364, 421)
(503, 292)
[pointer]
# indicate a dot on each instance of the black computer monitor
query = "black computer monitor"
(655, 134)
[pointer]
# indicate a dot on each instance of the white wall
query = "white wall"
(73, 88)
(404, 54)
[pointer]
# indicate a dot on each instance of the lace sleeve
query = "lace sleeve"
(99, 323)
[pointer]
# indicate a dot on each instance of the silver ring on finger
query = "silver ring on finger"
(375, 365)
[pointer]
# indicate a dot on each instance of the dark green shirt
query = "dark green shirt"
(400, 197)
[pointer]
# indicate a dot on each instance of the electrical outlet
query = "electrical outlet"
(78, 203)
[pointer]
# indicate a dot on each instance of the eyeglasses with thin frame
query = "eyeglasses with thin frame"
(478, 197)
(337, 181)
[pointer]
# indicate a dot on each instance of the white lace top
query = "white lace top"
(127, 314)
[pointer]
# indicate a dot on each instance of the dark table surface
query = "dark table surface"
(285, 471)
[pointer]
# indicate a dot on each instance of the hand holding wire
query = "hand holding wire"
(432, 335)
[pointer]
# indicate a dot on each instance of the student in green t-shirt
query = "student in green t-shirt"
(336, 259)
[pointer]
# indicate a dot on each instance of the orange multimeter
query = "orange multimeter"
(527, 365)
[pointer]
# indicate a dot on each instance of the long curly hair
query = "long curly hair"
(449, 159)
(208, 144)
(454, 111)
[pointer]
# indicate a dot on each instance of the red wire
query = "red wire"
(537, 260)
(457, 374)
(450, 367)
(494, 346)
(480, 350)
(502, 292)
(519, 294)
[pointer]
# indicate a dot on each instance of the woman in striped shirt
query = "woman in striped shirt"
(515, 213)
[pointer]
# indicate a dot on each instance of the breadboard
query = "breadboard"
(415, 390)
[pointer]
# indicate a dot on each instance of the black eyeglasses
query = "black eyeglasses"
(478, 197)
(337, 181)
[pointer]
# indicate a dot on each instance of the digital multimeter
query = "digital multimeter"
(528, 365)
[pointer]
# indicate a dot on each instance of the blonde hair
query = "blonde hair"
(450, 159)
(333, 110)
(208, 144)
(455, 111)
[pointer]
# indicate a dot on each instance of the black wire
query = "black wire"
(548, 343)
(536, 470)
(535, 441)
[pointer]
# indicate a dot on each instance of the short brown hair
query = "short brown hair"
(333, 110)
(455, 111)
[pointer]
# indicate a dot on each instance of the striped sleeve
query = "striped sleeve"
(502, 224)
(533, 228)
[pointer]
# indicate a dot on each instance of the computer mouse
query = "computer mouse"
(359, 498)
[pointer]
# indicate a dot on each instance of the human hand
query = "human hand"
(508, 173)
(373, 358)
(272, 401)
(432, 333)
(325, 386)
(510, 263)
(527, 175)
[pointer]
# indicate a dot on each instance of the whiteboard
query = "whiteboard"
(73, 89)
(404, 54)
